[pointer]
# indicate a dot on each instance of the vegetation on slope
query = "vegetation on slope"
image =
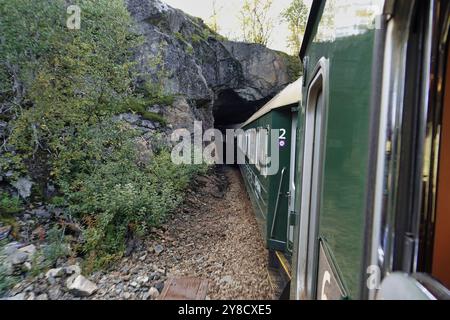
(59, 90)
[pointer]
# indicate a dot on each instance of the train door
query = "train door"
(416, 246)
(308, 243)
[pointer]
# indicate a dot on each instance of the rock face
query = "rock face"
(213, 74)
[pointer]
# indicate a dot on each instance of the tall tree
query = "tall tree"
(296, 15)
(256, 22)
(213, 23)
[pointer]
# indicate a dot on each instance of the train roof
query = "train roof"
(290, 95)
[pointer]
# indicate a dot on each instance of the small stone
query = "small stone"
(129, 117)
(30, 250)
(158, 249)
(79, 286)
(54, 293)
(31, 296)
(143, 280)
(4, 232)
(23, 186)
(147, 124)
(74, 269)
(134, 284)
(153, 293)
(18, 258)
(20, 296)
(143, 257)
(54, 273)
(125, 270)
(51, 281)
(27, 265)
(41, 213)
(41, 297)
(127, 295)
(160, 286)
(161, 271)
(227, 279)
(30, 288)
(11, 248)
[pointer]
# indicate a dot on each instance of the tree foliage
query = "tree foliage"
(296, 15)
(213, 22)
(256, 22)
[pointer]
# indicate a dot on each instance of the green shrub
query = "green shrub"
(179, 36)
(46, 258)
(154, 117)
(195, 38)
(9, 205)
(56, 248)
(117, 195)
(72, 78)
(150, 97)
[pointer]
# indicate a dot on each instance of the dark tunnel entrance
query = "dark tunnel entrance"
(230, 109)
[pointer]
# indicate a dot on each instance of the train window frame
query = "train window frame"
(262, 148)
(403, 127)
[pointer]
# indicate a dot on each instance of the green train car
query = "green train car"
(363, 208)
(270, 192)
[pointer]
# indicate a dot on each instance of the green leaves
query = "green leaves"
(256, 23)
(296, 15)
(9, 205)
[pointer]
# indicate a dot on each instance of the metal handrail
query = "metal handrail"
(276, 204)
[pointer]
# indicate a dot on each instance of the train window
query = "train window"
(248, 144)
(258, 149)
(253, 146)
(441, 247)
(263, 151)
(422, 219)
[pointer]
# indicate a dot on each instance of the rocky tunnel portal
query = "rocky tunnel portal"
(231, 110)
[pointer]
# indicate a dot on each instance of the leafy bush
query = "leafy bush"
(71, 79)
(154, 117)
(46, 258)
(139, 106)
(196, 38)
(116, 194)
(9, 205)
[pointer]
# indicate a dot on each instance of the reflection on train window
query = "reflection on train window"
(441, 246)
(262, 154)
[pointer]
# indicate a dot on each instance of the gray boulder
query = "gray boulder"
(79, 286)
(23, 186)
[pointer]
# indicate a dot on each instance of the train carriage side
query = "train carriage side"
(337, 54)
(268, 186)
(372, 169)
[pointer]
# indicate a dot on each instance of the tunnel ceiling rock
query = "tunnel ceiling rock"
(192, 62)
